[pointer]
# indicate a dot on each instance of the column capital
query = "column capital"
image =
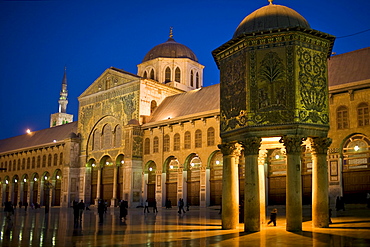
(251, 145)
(293, 144)
(231, 148)
(320, 145)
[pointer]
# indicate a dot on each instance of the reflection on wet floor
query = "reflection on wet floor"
(197, 227)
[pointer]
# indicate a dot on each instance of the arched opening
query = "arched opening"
(57, 188)
(150, 191)
(107, 178)
(216, 166)
(172, 166)
(178, 75)
(356, 168)
(25, 182)
(94, 179)
(193, 181)
(35, 189)
(167, 75)
(15, 189)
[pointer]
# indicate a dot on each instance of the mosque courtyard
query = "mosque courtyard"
(196, 227)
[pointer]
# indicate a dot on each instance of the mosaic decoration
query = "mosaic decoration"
(313, 85)
(233, 95)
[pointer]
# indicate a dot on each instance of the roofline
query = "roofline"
(182, 119)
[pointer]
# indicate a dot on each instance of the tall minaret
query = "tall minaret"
(62, 117)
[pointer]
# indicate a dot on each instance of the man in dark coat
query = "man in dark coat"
(101, 210)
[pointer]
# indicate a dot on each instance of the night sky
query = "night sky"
(39, 38)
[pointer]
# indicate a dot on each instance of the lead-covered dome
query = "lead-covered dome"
(271, 17)
(170, 49)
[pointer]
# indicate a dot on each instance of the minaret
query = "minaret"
(62, 117)
(63, 101)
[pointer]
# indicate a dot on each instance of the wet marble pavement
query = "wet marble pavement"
(197, 227)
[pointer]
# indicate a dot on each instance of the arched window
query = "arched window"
(107, 136)
(23, 163)
(167, 75)
(44, 161)
(118, 136)
(363, 114)
(342, 117)
(197, 80)
(33, 162)
(19, 165)
(153, 105)
(38, 161)
(28, 163)
(178, 75)
(147, 146)
(356, 153)
(156, 145)
(176, 142)
(152, 74)
(211, 136)
(96, 138)
(192, 79)
(55, 159)
(10, 165)
(145, 75)
(49, 159)
(198, 138)
(61, 159)
(166, 143)
(187, 140)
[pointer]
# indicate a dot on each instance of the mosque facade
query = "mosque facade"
(155, 135)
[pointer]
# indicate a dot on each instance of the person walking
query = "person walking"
(123, 209)
(101, 210)
(146, 206)
(76, 212)
(273, 217)
(25, 205)
(9, 210)
(81, 208)
(155, 210)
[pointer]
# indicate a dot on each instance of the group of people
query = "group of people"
(153, 204)
(78, 209)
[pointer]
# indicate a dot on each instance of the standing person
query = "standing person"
(368, 199)
(20, 204)
(123, 209)
(81, 208)
(155, 210)
(146, 206)
(76, 212)
(179, 206)
(9, 210)
(25, 205)
(273, 216)
(101, 210)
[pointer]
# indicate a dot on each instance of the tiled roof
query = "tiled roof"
(38, 138)
(192, 102)
(349, 67)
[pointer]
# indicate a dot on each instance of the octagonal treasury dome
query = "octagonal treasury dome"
(170, 49)
(271, 17)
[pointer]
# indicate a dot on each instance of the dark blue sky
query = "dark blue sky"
(39, 38)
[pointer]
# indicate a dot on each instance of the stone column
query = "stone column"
(320, 184)
(113, 202)
(293, 146)
(98, 186)
(230, 188)
(252, 219)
